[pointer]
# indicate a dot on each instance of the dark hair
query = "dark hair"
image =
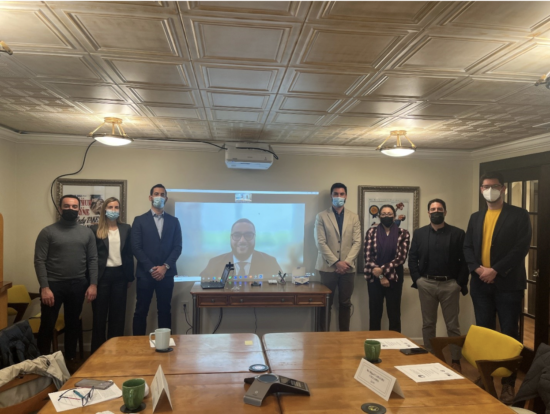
(491, 175)
(338, 185)
(243, 220)
(158, 186)
(68, 196)
(388, 206)
(437, 200)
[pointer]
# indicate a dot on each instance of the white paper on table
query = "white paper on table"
(152, 343)
(159, 386)
(69, 403)
(429, 372)
(396, 343)
(377, 380)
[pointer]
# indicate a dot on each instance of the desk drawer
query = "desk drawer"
(314, 300)
(214, 300)
(276, 300)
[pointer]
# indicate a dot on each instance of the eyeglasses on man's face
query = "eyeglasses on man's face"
(247, 236)
(493, 186)
(386, 215)
(74, 394)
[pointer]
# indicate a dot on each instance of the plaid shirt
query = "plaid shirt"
(388, 269)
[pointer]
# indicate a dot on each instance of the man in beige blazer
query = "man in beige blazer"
(338, 239)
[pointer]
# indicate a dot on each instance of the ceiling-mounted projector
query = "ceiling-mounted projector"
(248, 156)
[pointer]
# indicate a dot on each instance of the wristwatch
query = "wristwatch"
(381, 277)
(166, 266)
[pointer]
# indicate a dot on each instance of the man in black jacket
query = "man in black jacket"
(439, 272)
(497, 241)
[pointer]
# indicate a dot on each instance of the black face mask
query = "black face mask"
(437, 217)
(69, 215)
(386, 221)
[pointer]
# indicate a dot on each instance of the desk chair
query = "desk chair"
(492, 353)
(19, 299)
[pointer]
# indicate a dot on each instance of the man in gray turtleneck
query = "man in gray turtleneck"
(63, 253)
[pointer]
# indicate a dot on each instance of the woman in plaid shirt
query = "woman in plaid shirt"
(386, 249)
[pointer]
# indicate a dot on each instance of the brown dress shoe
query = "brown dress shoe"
(507, 394)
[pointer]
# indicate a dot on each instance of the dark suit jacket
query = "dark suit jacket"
(454, 241)
(150, 250)
(510, 245)
(262, 263)
(125, 251)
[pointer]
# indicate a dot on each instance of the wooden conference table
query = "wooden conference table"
(205, 373)
(243, 294)
(326, 361)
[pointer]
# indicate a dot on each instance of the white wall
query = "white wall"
(36, 166)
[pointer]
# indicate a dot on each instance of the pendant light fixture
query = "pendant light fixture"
(112, 138)
(397, 150)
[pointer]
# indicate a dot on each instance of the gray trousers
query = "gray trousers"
(344, 284)
(431, 294)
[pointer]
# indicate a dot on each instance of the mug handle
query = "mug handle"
(150, 340)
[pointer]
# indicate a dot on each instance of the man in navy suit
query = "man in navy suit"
(156, 244)
(247, 260)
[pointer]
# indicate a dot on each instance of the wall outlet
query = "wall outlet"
(185, 305)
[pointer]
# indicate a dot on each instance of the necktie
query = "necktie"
(242, 268)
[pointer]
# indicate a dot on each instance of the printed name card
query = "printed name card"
(159, 387)
(377, 380)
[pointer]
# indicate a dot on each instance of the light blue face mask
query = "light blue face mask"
(158, 202)
(112, 214)
(338, 201)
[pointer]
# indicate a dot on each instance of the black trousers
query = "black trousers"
(392, 294)
(71, 294)
(109, 305)
(145, 288)
(344, 284)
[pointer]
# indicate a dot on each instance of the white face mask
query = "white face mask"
(491, 194)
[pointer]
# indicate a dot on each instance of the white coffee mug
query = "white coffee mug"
(162, 338)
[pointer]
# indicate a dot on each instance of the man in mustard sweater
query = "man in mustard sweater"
(496, 243)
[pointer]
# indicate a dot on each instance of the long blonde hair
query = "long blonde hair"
(103, 226)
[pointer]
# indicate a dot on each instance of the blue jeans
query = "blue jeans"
(490, 302)
(145, 288)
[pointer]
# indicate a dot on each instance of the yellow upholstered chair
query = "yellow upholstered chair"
(19, 299)
(492, 353)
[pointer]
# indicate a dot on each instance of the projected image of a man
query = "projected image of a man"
(243, 255)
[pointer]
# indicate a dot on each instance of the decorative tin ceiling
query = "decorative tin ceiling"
(455, 75)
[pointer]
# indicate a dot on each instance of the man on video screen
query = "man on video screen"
(247, 260)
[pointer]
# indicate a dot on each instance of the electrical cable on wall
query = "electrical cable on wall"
(260, 149)
(186, 320)
(255, 321)
(66, 175)
(219, 321)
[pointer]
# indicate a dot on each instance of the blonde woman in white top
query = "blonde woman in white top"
(116, 272)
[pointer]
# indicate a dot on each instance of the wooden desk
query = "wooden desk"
(191, 394)
(193, 354)
(234, 295)
(327, 362)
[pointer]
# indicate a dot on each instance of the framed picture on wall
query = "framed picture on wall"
(92, 195)
(405, 200)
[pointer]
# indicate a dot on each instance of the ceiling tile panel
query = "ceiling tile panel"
(127, 33)
(104, 109)
(295, 118)
(529, 62)
(298, 103)
(236, 116)
(309, 82)
(485, 90)
(344, 48)
(359, 121)
(175, 112)
(58, 66)
(451, 54)
(227, 100)
(273, 10)
(241, 40)
(150, 73)
(166, 96)
(408, 86)
(444, 110)
(84, 91)
(376, 107)
(258, 79)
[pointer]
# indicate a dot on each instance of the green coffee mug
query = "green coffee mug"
(132, 393)
(372, 350)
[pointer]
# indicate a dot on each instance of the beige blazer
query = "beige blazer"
(331, 246)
